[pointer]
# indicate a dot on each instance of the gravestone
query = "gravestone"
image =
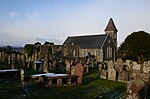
(45, 65)
(136, 89)
(22, 78)
(67, 67)
(111, 71)
(3, 56)
(112, 74)
(24, 60)
(29, 60)
(72, 70)
(137, 67)
(9, 61)
(13, 61)
(86, 66)
(145, 77)
(124, 76)
(100, 69)
(78, 70)
(103, 74)
(129, 64)
(119, 65)
(146, 68)
(19, 59)
(0, 56)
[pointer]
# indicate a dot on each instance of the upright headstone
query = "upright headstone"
(29, 62)
(100, 69)
(137, 67)
(86, 66)
(67, 67)
(136, 89)
(111, 71)
(24, 60)
(146, 68)
(78, 70)
(13, 61)
(129, 64)
(0, 56)
(3, 56)
(104, 73)
(124, 76)
(19, 59)
(22, 77)
(119, 65)
(45, 65)
(9, 61)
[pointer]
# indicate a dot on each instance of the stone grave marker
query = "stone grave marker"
(103, 74)
(67, 67)
(146, 68)
(13, 61)
(3, 56)
(0, 56)
(100, 69)
(136, 89)
(111, 71)
(78, 70)
(22, 77)
(137, 67)
(45, 65)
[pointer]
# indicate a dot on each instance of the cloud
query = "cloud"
(12, 14)
(58, 40)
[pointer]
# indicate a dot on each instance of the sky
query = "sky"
(29, 21)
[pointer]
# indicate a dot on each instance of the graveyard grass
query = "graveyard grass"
(92, 88)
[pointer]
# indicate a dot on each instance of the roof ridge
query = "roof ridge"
(88, 35)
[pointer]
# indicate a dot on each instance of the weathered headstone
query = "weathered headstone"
(124, 76)
(9, 61)
(72, 70)
(13, 61)
(19, 59)
(137, 67)
(119, 65)
(112, 74)
(100, 69)
(103, 74)
(3, 56)
(45, 65)
(78, 70)
(86, 66)
(111, 71)
(22, 78)
(129, 64)
(29, 62)
(0, 56)
(146, 68)
(67, 67)
(136, 89)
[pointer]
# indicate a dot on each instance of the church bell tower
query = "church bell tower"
(111, 30)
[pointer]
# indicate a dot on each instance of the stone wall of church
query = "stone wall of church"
(98, 53)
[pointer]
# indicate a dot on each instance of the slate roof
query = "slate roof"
(111, 26)
(88, 41)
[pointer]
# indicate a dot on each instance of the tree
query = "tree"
(135, 45)
(29, 49)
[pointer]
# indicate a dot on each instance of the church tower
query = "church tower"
(111, 30)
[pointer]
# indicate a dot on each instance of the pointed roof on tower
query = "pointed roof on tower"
(111, 26)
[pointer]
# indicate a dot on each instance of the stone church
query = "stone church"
(103, 47)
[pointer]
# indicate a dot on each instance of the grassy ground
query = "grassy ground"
(92, 88)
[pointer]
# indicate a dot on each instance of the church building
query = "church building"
(103, 46)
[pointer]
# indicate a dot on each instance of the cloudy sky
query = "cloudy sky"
(29, 21)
